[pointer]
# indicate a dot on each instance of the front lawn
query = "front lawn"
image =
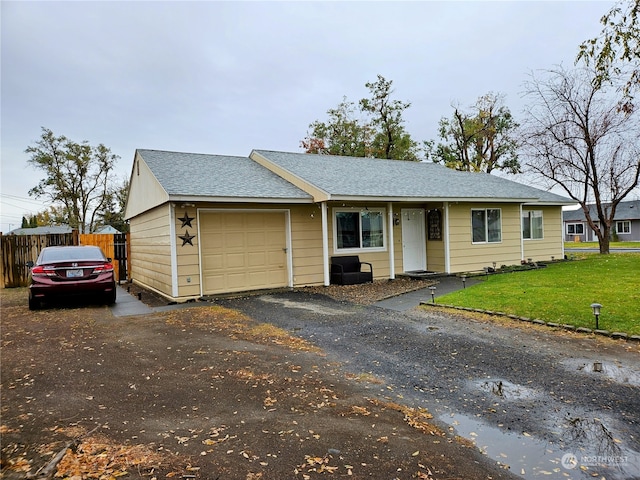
(563, 292)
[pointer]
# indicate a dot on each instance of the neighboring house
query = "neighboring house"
(107, 229)
(51, 229)
(209, 224)
(625, 225)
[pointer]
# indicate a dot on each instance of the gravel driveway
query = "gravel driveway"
(528, 396)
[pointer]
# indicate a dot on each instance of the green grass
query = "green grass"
(612, 245)
(563, 292)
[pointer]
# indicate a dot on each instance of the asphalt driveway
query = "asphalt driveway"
(550, 404)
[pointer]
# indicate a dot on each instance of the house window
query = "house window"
(623, 226)
(486, 225)
(575, 229)
(359, 230)
(532, 224)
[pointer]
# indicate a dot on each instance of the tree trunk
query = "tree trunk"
(604, 240)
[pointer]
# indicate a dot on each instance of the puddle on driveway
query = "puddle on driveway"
(505, 390)
(604, 369)
(576, 455)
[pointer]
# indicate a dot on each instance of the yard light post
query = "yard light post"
(433, 294)
(596, 312)
(464, 281)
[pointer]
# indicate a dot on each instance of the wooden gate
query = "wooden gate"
(17, 250)
(114, 246)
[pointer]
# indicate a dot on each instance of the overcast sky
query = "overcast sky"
(228, 77)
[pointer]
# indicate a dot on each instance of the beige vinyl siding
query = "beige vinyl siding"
(188, 256)
(468, 256)
(551, 243)
(145, 192)
(397, 243)
(306, 245)
(151, 249)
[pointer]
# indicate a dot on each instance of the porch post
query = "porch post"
(447, 252)
(521, 237)
(392, 259)
(325, 245)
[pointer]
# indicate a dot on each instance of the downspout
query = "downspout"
(392, 257)
(174, 250)
(447, 253)
(325, 245)
(562, 227)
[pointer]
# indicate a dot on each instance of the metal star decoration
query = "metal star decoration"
(186, 238)
(186, 220)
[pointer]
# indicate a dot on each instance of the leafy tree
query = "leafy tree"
(482, 140)
(390, 139)
(54, 215)
(343, 134)
(616, 51)
(77, 176)
(30, 222)
(372, 128)
(579, 140)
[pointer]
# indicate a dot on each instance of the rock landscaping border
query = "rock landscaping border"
(537, 321)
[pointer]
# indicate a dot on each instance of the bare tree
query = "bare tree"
(578, 139)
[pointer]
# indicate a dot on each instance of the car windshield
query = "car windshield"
(71, 254)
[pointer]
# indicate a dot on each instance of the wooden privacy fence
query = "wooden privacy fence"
(17, 250)
(114, 246)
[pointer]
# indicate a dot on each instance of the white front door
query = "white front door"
(414, 247)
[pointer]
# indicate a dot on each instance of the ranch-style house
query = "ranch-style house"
(211, 224)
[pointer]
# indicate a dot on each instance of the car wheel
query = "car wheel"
(111, 297)
(34, 304)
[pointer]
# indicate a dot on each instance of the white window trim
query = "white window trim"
(574, 224)
(530, 229)
(623, 222)
(337, 250)
(486, 226)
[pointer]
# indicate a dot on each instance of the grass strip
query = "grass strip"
(563, 292)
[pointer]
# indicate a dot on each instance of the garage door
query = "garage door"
(243, 251)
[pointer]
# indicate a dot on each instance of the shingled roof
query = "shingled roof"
(625, 211)
(350, 177)
(262, 176)
(201, 175)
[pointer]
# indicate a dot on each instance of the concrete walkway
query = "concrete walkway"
(128, 305)
(410, 300)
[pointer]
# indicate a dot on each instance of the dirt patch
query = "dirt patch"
(204, 393)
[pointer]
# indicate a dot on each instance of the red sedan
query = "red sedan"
(73, 271)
